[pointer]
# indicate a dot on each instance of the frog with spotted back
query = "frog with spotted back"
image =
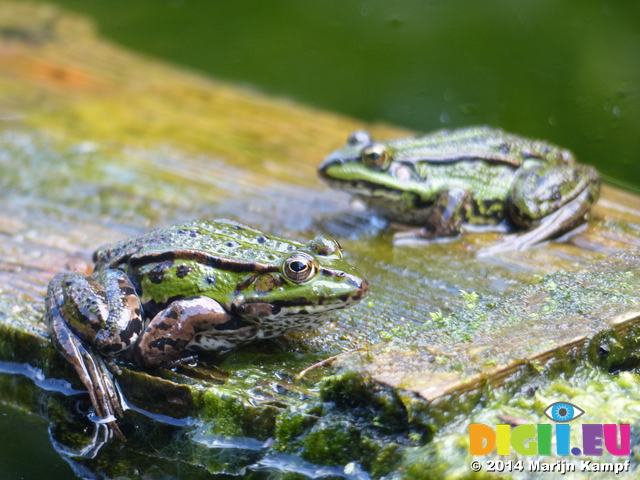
(476, 175)
(160, 297)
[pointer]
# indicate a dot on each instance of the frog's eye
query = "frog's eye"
(300, 267)
(376, 156)
(359, 137)
(326, 246)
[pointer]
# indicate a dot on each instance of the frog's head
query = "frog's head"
(379, 173)
(296, 292)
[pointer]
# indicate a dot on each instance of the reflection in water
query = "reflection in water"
(35, 374)
(171, 448)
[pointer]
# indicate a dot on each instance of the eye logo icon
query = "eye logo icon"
(563, 412)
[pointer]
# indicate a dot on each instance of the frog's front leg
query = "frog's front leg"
(447, 215)
(177, 329)
(86, 314)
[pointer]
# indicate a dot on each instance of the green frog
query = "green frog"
(159, 298)
(472, 176)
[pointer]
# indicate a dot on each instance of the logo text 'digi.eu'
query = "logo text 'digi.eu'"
(530, 439)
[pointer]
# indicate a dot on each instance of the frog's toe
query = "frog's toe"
(105, 395)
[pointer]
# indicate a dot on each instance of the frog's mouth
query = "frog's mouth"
(352, 176)
(380, 192)
(260, 311)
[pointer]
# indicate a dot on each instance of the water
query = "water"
(565, 71)
(29, 454)
(26, 432)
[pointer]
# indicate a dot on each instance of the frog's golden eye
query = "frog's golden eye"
(376, 156)
(300, 267)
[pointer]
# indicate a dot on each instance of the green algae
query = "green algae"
(606, 398)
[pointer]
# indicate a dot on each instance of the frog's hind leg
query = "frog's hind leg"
(561, 221)
(539, 192)
(188, 324)
(90, 367)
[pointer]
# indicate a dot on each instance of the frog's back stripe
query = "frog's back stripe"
(198, 256)
(494, 158)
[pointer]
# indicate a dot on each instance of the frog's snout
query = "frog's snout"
(328, 162)
(361, 291)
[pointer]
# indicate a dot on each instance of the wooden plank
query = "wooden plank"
(97, 144)
(568, 312)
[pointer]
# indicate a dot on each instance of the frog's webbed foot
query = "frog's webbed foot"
(561, 221)
(91, 369)
(446, 218)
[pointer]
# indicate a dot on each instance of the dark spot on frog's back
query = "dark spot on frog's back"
(191, 233)
(183, 270)
(261, 239)
(232, 244)
(156, 275)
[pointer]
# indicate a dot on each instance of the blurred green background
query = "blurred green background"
(563, 70)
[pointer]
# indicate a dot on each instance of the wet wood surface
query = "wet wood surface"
(97, 144)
